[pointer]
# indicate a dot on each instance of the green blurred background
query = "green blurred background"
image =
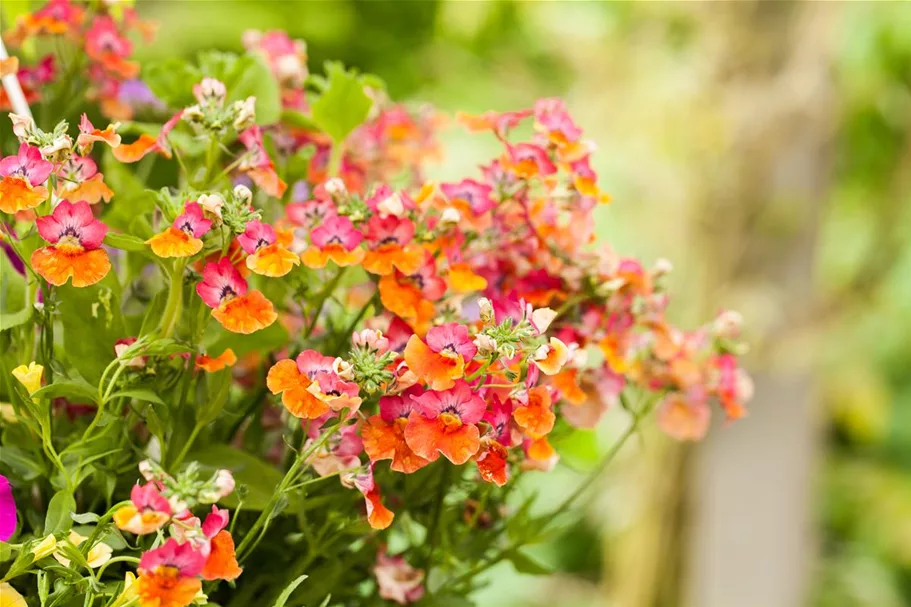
(763, 147)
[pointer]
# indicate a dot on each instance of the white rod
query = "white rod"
(14, 89)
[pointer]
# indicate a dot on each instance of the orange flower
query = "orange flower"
(165, 587)
(491, 460)
(246, 314)
(378, 515)
(684, 420)
(293, 380)
(441, 360)
(334, 239)
(266, 256)
(174, 243)
(92, 190)
(384, 435)
(551, 357)
(567, 382)
(539, 449)
(75, 250)
(462, 279)
(391, 245)
(225, 290)
(411, 297)
(16, 194)
(134, 152)
(211, 365)
(536, 418)
(445, 422)
(222, 562)
(22, 175)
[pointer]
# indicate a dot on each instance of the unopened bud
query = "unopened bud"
(486, 310)
(211, 204)
(245, 116)
(243, 194)
(335, 187)
(485, 344)
(450, 216)
(343, 369)
(391, 205)
(210, 92)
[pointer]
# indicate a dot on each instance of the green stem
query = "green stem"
(186, 447)
(174, 305)
(432, 532)
(323, 296)
(335, 159)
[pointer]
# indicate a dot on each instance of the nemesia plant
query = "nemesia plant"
(251, 355)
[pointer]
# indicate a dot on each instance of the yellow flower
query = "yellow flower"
(7, 413)
(45, 548)
(10, 598)
(97, 556)
(29, 376)
(130, 591)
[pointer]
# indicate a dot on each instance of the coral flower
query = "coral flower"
(75, 238)
(492, 462)
(551, 357)
(167, 575)
(146, 144)
(391, 244)
(225, 291)
(411, 297)
(378, 515)
(336, 392)
(567, 382)
(7, 510)
(183, 238)
(258, 166)
(78, 179)
(221, 562)
(397, 580)
(88, 135)
(147, 513)
(384, 434)
(105, 44)
(293, 379)
(444, 422)
(23, 174)
(336, 240)
(536, 417)
(527, 160)
(684, 420)
(265, 256)
(442, 359)
(212, 364)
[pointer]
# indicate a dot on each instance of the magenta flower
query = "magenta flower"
(257, 234)
(183, 557)
(7, 510)
(476, 194)
(452, 337)
(28, 164)
(192, 221)
(73, 225)
(221, 282)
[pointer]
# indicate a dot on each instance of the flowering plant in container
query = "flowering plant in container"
(251, 355)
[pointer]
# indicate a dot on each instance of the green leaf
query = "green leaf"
(85, 518)
(301, 121)
(343, 106)
(286, 593)
(219, 387)
(5, 552)
(72, 389)
(257, 80)
(266, 340)
(260, 478)
(8, 320)
(527, 565)
(92, 323)
(126, 242)
(59, 509)
(172, 81)
(141, 395)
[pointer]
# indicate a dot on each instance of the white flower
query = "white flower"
(245, 116)
(23, 126)
(450, 216)
(211, 204)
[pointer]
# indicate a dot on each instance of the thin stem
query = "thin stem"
(174, 305)
(186, 447)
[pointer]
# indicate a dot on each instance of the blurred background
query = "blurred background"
(764, 148)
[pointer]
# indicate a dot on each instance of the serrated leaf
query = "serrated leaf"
(343, 106)
(286, 593)
(59, 509)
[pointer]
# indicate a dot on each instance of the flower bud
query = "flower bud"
(210, 92)
(23, 126)
(662, 266)
(370, 339)
(485, 344)
(451, 216)
(146, 470)
(45, 547)
(335, 187)
(245, 116)
(224, 483)
(211, 204)
(29, 376)
(243, 194)
(486, 310)
(59, 149)
(727, 324)
(343, 369)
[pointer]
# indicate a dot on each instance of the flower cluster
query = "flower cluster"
(370, 325)
(100, 51)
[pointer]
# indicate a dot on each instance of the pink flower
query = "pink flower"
(72, 225)
(311, 363)
(183, 557)
(370, 339)
(528, 160)
(192, 221)
(103, 40)
(215, 522)
(221, 282)
(257, 234)
(7, 510)
(452, 337)
(310, 214)
(397, 580)
(336, 230)
(28, 164)
(147, 513)
(477, 195)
